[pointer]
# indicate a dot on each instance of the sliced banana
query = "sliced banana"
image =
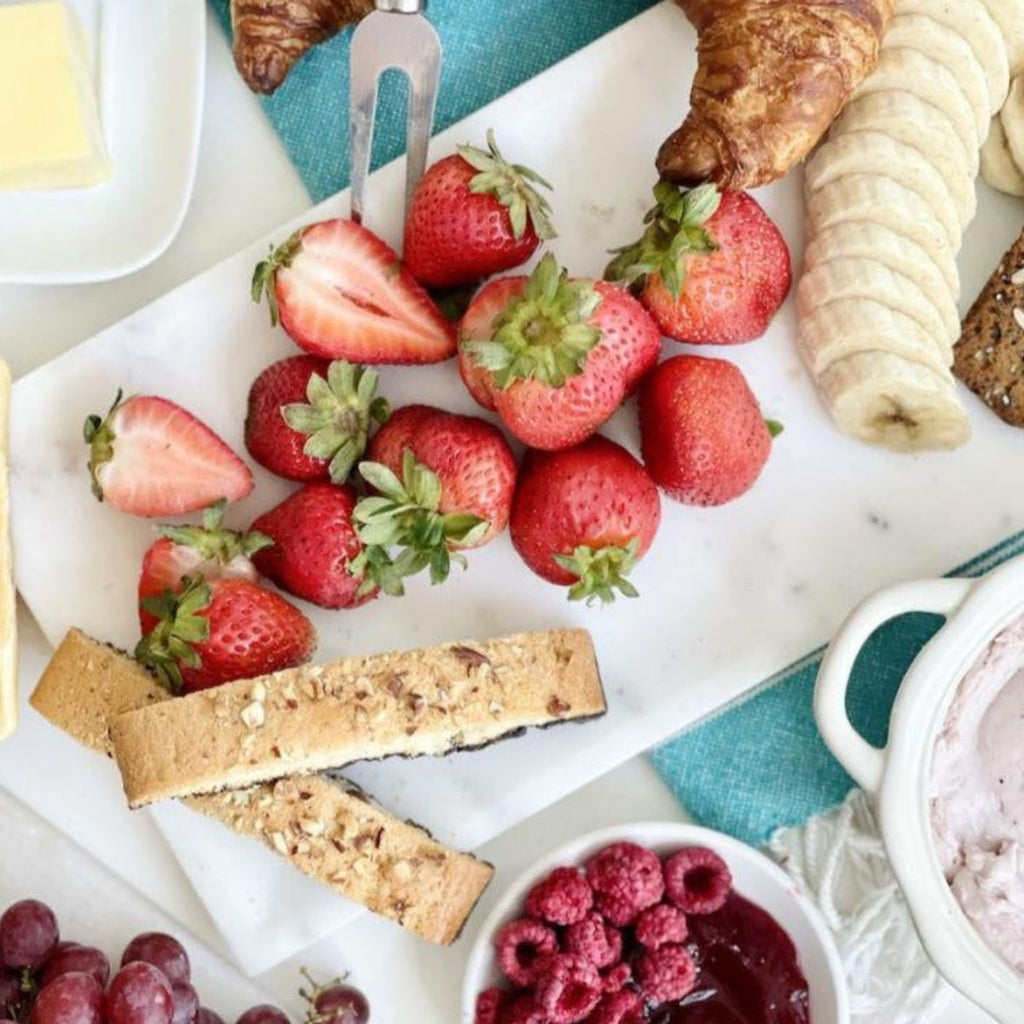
(876, 198)
(910, 70)
(971, 20)
(997, 166)
(933, 39)
(877, 153)
(1012, 119)
(858, 277)
(846, 326)
(1009, 17)
(851, 239)
(908, 119)
(881, 399)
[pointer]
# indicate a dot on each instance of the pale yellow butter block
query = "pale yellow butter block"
(50, 133)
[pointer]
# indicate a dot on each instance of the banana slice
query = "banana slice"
(970, 20)
(847, 326)
(872, 241)
(1012, 119)
(858, 277)
(883, 400)
(876, 198)
(908, 119)
(941, 43)
(997, 166)
(1009, 17)
(877, 153)
(900, 67)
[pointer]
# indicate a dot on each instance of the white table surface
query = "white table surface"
(244, 187)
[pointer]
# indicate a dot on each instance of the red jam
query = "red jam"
(748, 971)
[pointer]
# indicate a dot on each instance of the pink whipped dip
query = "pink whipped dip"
(977, 795)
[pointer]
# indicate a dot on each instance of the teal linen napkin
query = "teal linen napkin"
(760, 764)
(490, 47)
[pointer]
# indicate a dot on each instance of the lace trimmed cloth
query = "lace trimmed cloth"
(839, 860)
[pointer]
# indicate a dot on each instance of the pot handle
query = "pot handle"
(863, 761)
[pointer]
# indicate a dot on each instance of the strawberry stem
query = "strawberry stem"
(544, 332)
(404, 514)
(172, 642)
(212, 540)
(774, 427)
(337, 415)
(99, 435)
(265, 273)
(675, 228)
(600, 572)
(512, 185)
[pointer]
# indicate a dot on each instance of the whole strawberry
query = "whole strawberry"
(582, 518)
(342, 293)
(474, 215)
(213, 632)
(210, 551)
(702, 435)
(150, 457)
(711, 267)
(561, 355)
(308, 419)
(314, 547)
(444, 483)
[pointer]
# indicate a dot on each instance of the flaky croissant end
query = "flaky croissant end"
(271, 35)
(771, 77)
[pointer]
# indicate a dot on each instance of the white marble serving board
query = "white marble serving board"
(728, 595)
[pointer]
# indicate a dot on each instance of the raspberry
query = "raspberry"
(666, 974)
(625, 1007)
(520, 945)
(564, 897)
(617, 912)
(593, 940)
(659, 925)
(617, 978)
(521, 1009)
(697, 880)
(628, 875)
(568, 988)
(488, 1005)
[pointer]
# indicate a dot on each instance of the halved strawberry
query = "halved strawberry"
(210, 551)
(150, 457)
(342, 293)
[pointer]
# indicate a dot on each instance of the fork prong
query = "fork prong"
(364, 72)
(423, 82)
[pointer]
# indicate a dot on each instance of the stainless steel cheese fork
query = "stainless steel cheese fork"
(395, 35)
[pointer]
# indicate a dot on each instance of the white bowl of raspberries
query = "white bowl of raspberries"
(654, 923)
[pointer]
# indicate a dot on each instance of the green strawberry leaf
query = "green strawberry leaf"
(600, 572)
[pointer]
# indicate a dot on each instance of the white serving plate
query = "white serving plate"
(755, 877)
(148, 64)
(727, 595)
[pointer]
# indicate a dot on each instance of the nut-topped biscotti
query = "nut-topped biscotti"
(328, 830)
(410, 703)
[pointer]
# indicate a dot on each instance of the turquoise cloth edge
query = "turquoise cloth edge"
(490, 47)
(760, 764)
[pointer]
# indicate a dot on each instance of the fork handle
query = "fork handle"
(401, 6)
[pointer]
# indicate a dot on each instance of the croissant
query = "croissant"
(271, 35)
(771, 77)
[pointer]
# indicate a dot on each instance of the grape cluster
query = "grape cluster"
(44, 980)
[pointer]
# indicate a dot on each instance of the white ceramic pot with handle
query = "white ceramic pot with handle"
(898, 777)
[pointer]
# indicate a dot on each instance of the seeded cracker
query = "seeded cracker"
(989, 357)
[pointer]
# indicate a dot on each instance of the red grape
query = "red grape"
(186, 1003)
(163, 952)
(264, 1013)
(28, 934)
(139, 994)
(77, 958)
(341, 1004)
(205, 1016)
(75, 998)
